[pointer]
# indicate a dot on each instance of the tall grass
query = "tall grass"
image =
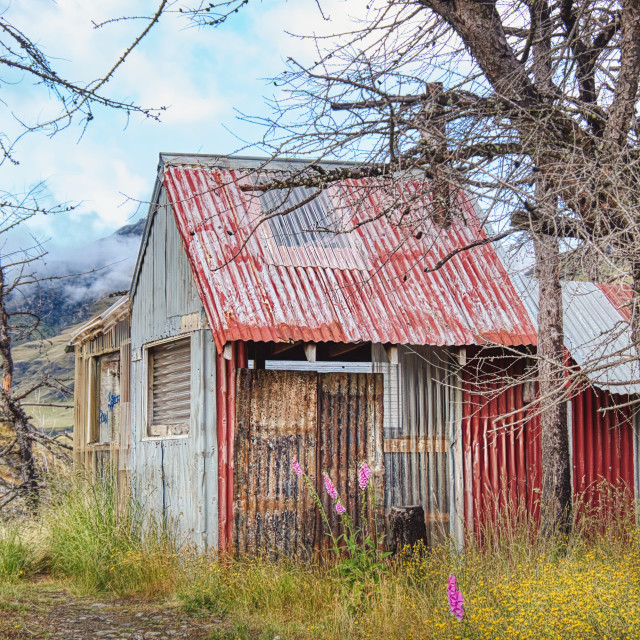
(102, 542)
(16, 554)
(516, 582)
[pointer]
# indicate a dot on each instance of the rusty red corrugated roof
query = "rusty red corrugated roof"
(619, 295)
(272, 282)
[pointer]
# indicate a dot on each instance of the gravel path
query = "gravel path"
(46, 614)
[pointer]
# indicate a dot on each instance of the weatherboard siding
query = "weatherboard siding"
(175, 477)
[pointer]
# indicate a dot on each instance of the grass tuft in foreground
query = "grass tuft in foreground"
(16, 555)
(100, 542)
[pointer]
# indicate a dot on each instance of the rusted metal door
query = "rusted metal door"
(329, 423)
(350, 418)
(276, 421)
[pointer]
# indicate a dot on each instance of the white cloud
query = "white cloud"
(201, 74)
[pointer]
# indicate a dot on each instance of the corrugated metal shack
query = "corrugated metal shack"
(102, 420)
(267, 326)
(292, 341)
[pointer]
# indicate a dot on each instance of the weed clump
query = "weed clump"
(104, 542)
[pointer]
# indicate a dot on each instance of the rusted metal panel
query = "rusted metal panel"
(619, 295)
(249, 294)
(330, 423)
(350, 419)
(276, 421)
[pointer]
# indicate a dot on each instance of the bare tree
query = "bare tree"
(22, 60)
(17, 271)
(529, 105)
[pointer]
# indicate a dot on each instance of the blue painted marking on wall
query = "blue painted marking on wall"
(112, 400)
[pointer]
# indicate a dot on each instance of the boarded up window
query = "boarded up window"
(107, 395)
(169, 406)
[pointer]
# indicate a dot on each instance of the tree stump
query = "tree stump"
(407, 526)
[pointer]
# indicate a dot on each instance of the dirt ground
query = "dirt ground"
(46, 612)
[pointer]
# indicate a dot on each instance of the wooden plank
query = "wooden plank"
(281, 347)
(416, 444)
(437, 517)
(340, 348)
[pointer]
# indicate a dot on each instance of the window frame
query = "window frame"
(147, 394)
(93, 392)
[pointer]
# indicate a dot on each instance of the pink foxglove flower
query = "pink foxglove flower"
(296, 467)
(331, 490)
(339, 508)
(364, 475)
(456, 601)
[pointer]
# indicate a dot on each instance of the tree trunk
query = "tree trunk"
(556, 478)
(14, 413)
(556, 469)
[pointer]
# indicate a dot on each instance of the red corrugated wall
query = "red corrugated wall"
(602, 446)
(501, 452)
(502, 455)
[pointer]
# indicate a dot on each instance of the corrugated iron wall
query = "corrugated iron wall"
(174, 477)
(502, 455)
(419, 414)
(501, 452)
(603, 436)
(422, 400)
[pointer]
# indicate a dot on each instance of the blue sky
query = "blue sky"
(202, 75)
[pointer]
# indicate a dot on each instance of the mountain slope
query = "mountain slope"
(101, 268)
